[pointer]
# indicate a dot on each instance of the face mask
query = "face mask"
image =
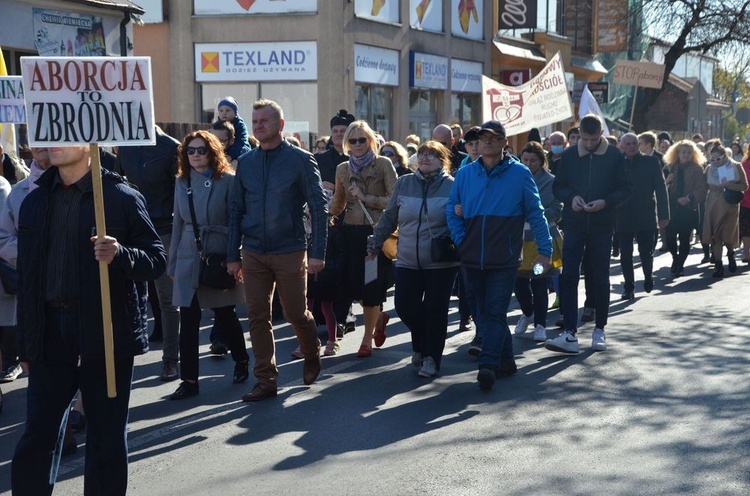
(557, 149)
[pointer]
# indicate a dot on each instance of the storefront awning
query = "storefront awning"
(122, 5)
(589, 65)
(532, 54)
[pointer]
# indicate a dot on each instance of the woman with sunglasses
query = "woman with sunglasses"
(721, 223)
(364, 185)
(423, 283)
(686, 186)
(203, 170)
(397, 155)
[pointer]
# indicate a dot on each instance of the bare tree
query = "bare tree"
(691, 26)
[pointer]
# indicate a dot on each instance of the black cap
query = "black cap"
(472, 134)
(494, 127)
(343, 118)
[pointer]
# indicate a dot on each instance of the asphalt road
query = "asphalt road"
(664, 411)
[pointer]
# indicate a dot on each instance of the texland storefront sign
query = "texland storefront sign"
(286, 61)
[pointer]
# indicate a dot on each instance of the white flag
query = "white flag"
(589, 105)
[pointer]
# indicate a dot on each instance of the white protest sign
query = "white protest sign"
(78, 100)
(12, 106)
(541, 101)
(643, 74)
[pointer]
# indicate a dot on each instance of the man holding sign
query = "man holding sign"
(60, 315)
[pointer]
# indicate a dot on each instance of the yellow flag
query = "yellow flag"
(7, 131)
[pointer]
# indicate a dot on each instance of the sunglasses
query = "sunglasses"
(430, 156)
(387, 153)
(201, 150)
(716, 159)
(354, 141)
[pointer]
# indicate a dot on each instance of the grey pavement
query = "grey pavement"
(664, 411)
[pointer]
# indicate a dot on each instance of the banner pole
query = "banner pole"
(632, 110)
(101, 231)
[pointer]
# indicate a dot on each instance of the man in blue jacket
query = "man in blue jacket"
(60, 316)
(496, 194)
(591, 182)
(273, 184)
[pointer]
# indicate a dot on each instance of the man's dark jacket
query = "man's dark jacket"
(141, 258)
(648, 191)
(327, 163)
(267, 213)
(592, 176)
(152, 169)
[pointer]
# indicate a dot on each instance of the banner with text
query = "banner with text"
(104, 100)
(12, 106)
(543, 100)
(643, 74)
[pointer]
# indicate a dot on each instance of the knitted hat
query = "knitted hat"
(343, 118)
(228, 101)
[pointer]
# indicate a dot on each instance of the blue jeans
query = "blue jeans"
(598, 249)
(646, 244)
(51, 387)
(422, 298)
(492, 290)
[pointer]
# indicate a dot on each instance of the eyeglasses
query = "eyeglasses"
(201, 150)
(387, 153)
(428, 155)
(354, 141)
(716, 159)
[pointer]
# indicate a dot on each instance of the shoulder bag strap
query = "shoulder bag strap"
(192, 216)
(367, 214)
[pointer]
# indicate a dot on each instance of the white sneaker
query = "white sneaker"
(598, 340)
(567, 342)
(429, 369)
(523, 323)
(540, 334)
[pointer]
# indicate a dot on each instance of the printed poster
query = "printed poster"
(61, 34)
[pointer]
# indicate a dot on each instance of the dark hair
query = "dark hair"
(224, 126)
(573, 130)
(536, 148)
(591, 124)
(440, 150)
(217, 159)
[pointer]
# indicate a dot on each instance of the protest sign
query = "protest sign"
(75, 100)
(541, 101)
(12, 107)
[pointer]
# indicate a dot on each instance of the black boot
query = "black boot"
(732, 265)
(719, 270)
(706, 256)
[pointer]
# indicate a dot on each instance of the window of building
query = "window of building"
(466, 109)
(373, 104)
(422, 112)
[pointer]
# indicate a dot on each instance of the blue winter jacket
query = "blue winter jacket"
(489, 235)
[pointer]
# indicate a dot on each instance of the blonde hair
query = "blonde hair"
(412, 138)
(400, 152)
(366, 129)
(673, 154)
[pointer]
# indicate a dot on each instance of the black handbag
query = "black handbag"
(213, 266)
(8, 277)
(733, 197)
(442, 249)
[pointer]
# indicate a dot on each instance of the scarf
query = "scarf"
(34, 174)
(428, 178)
(357, 164)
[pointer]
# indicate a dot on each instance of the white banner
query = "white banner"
(543, 100)
(375, 65)
(282, 61)
(105, 100)
(12, 106)
(466, 77)
(233, 7)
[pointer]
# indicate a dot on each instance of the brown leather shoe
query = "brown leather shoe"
(261, 391)
(168, 371)
(310, 370)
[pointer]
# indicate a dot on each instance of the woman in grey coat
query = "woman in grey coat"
(424, 279)
(202, 162)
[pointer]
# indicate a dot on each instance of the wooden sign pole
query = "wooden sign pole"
(101, 231)
(632, 110)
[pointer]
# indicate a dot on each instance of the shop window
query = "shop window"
(373, 104)
(422, 112)
(466, 109)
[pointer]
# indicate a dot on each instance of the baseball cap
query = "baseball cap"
(472, 134)
(494, 127)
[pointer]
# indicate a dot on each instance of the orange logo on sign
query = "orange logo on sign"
(209, 61)
(418, 70)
